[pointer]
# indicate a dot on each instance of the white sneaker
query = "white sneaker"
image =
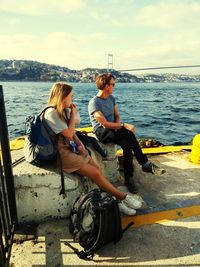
(131, 202)
(125, 209)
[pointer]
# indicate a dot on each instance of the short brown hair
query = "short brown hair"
(103, 79)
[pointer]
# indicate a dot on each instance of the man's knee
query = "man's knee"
(125, 145)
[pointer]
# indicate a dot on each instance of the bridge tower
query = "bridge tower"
(110, 62)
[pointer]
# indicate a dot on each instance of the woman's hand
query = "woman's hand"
(73, 108)
(130, 127)
(82, 149)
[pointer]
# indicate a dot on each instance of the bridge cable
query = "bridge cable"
(159, 68)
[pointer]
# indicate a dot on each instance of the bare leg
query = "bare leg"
(98, 177)
(93, 163)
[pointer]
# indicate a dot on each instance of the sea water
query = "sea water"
(166, 112)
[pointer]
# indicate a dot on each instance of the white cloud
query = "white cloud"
(65, 49)
(170, 14)
(115, 12)
(153, 54)
(88, 50)
(99, 16)
(41, 7)
(13, 21)
(69, 5)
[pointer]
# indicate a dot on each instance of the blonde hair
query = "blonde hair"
(58, 92)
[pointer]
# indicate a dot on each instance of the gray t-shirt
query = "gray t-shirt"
(106, 106)
(54, 121)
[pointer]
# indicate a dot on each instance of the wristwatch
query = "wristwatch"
(122, 124)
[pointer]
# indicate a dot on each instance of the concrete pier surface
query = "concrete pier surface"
(166, 232)
(168, 244)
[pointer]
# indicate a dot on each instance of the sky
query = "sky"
(81, 33)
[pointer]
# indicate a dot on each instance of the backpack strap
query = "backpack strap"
(46, 126)
(80, 253)
(62, 190)
(85, 254)
(51, 136)
(46, 109)
(127, 227)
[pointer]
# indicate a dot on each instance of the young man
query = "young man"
(108, 127)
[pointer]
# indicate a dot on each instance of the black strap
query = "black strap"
(46, 126)
(52, 136)
(88, 252)
(81, 254)
(62, 190)
(46, 109)
(127, 227)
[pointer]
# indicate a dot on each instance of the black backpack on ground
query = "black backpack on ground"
(94, 222)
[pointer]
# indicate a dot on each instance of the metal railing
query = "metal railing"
(8, 214)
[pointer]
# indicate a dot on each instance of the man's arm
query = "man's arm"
(116, 114)
(98, 115)
(128, 126)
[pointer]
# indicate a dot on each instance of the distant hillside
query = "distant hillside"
(27, 70)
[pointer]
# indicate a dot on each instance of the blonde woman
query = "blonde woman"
(74, 156)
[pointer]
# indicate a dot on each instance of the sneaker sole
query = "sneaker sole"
(128, 211)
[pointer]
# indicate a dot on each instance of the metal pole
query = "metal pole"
(6, 158)
(2, 256)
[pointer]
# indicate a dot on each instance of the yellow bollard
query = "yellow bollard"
(195, 153)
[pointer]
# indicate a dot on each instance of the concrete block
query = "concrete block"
(37, 189)
(37, 192)
(110, 168)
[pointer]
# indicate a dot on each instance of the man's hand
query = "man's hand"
(130, 127)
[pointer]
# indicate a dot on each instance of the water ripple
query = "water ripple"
(168, 112)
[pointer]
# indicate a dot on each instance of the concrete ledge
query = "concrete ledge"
(110, 168)
(37, 189)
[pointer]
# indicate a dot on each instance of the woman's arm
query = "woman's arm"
(80, 145)
(69, 132)
(77, 140)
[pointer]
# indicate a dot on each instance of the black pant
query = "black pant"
(91, 140)
(128, 142)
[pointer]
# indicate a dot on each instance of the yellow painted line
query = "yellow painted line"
(86, 129)
(159, 150)
(162, 216)
(17, 143)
